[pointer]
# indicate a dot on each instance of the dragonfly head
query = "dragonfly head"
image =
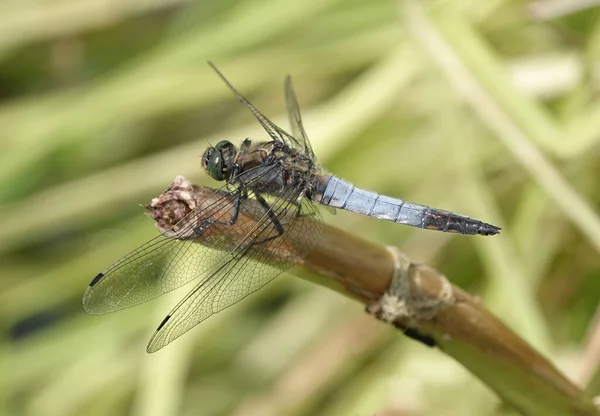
(218, 161)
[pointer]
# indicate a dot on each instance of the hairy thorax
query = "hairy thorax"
(269, 167)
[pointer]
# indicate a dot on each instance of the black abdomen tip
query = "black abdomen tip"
(96, 279)
(488, 229)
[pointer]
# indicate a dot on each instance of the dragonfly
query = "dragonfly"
(263, 220)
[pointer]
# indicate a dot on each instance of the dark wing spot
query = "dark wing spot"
(96, 279)
(163, 322)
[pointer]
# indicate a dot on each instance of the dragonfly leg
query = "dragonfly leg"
(272, 217)
(239, 195)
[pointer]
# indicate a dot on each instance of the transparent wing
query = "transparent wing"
(298, 131)
(293, 110)
(166, 262)
(267, 251)
(274, 131)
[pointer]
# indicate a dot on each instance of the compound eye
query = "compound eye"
(224, 145)
(219, 160)
(214, 166)
(206, 157)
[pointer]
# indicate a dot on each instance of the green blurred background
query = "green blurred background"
(489, 109)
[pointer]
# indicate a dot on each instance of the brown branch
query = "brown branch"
(462, 328)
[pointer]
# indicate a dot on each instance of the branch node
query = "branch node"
(405, 301)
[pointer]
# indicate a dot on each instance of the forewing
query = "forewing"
(274, 131)
(260, 257)
(293, 110)
(197, 246)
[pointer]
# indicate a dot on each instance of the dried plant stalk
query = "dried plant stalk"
(433, 311)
